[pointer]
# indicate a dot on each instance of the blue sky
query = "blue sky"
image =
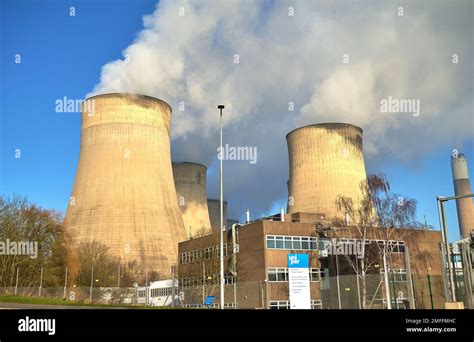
(63, 56)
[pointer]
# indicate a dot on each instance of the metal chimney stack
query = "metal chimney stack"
(124, 195)
(190, 182)
(462, 186)
(326, 160)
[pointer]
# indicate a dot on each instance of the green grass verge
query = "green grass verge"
(56, 301)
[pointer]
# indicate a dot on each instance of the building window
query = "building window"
(279, 242)
(303, 243)
(280, 274)
(314, 274)
(279, 304)
(276, 274)
(285, 305)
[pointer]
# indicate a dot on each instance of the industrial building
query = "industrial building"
(325, 161)
(124, 195)
(190, 183)
(256, 274)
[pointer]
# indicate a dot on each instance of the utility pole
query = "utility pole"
(221, 107)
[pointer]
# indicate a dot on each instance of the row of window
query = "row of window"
(292, 242)
(168, 291)
(213, 279)
(213, 306)
(204, 254)
(284, 304)
(280, 274)
(312, 243)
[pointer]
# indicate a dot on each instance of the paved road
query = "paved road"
(16, 306)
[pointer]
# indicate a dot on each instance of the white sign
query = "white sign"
(298, 276)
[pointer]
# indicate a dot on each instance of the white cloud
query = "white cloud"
(190, 58)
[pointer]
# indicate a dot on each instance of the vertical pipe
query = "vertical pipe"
(448, 252)
(203, 282)
(409, 278)
(386, 279)
(444, 272)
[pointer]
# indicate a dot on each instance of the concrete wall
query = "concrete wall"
(326, 160)
(190, 182)
(124, 195)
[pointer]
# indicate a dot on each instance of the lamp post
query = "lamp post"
(221, 107)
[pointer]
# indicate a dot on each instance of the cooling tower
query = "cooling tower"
(124, 195)
(214, 207)
(190, 183)
(326, 160)
(462, 186)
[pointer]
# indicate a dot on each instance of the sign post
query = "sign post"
(298, 277)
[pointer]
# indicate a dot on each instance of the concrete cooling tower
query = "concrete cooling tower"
(190, 183)
(214, 207)
(326, 160)
(462, 186)
(124, 195)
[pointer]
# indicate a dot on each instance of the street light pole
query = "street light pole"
(441, 201)
(221, 107)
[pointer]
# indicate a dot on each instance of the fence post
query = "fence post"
(16, 283)
(92, 283)
(410, 283)
(41, 282)
(65, 284)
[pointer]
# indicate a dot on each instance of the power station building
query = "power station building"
(326, 161)
(124, 195)
(256, 267)
(190, 182)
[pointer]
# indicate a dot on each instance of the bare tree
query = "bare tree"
(380, 214)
